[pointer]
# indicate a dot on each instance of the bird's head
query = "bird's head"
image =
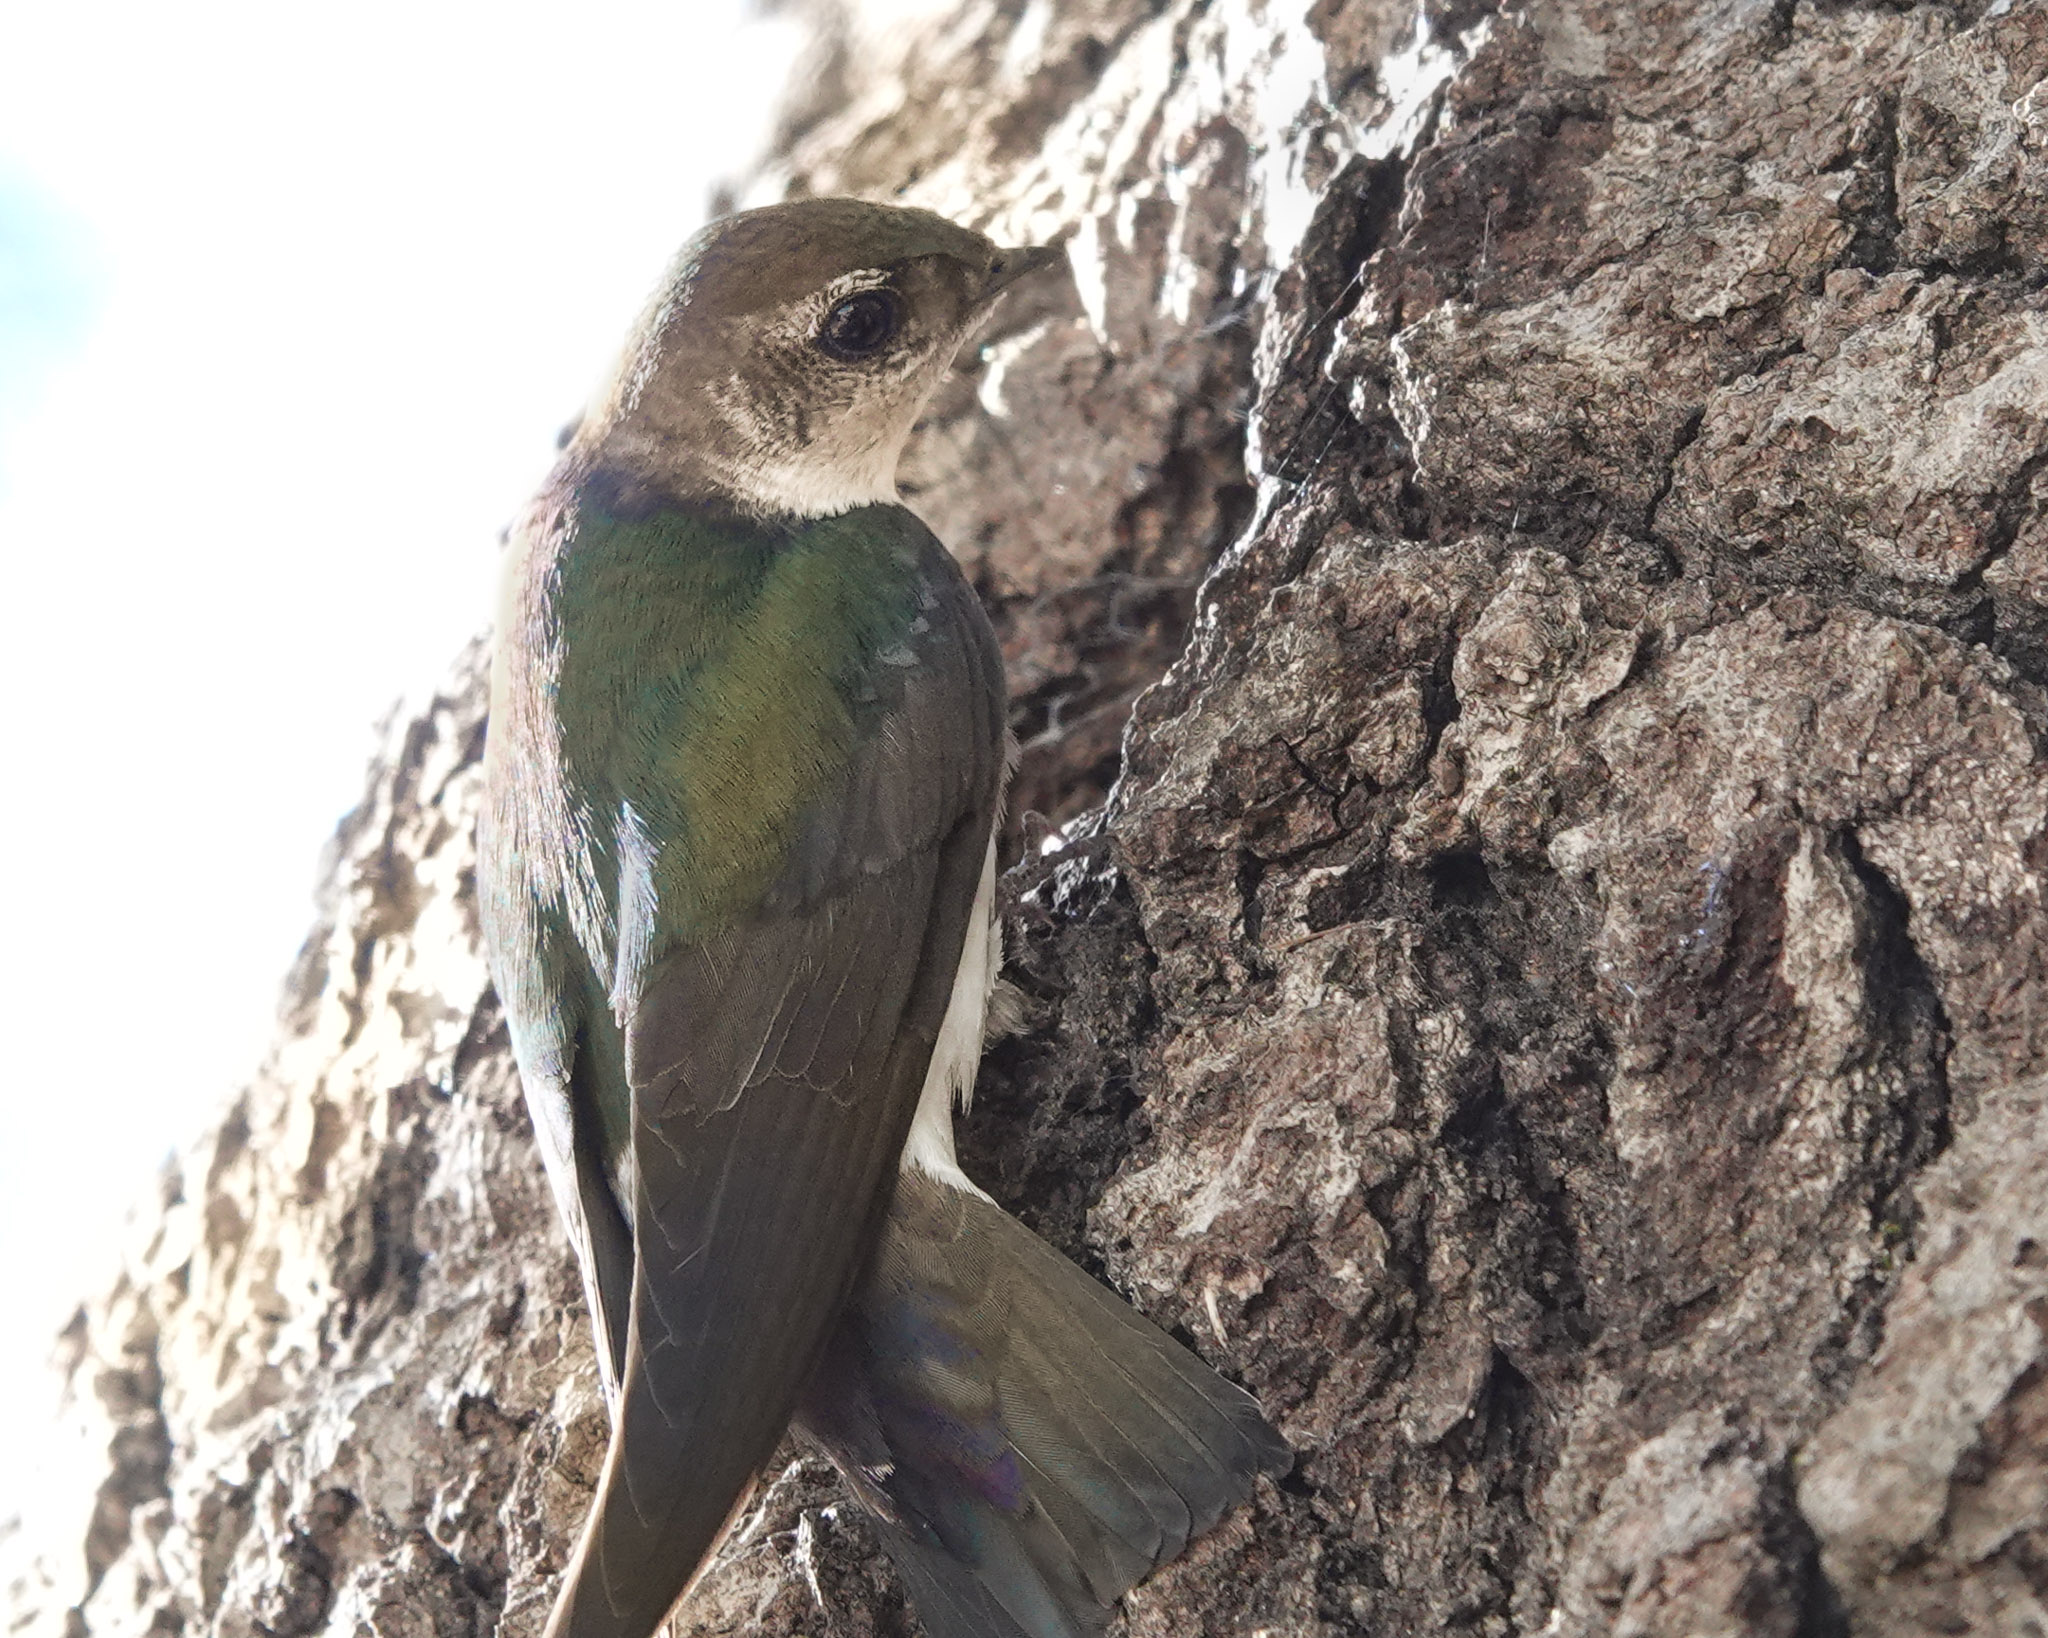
(785, 358)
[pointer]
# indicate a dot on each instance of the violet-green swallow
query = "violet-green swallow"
(747, 749)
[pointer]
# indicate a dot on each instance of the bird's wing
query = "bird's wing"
(562, 1076)
(774, 1069)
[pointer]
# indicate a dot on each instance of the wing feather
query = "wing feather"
(774, 1069)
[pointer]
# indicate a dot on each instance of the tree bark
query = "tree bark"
(1548, 985)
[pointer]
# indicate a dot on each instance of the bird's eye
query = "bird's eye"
(860, 326)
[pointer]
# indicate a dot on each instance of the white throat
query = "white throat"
(809, 487)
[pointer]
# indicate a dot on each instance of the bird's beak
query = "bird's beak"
(1013, 264)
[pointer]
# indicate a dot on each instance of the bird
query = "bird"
(745, 761)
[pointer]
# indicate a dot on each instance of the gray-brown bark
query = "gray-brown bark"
(1557, 1001)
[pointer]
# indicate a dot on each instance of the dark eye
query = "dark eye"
(860, 326)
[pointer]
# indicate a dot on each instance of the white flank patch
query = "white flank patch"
(958, 1054)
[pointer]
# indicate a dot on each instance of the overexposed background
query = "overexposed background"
(292, 303)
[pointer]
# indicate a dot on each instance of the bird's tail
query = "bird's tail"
(1031, 1448)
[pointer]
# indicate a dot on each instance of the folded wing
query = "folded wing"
(774, 1069)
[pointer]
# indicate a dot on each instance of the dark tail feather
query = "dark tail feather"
(1030, 1446)
(953, 1602)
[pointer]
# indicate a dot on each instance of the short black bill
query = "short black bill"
(1014, 263)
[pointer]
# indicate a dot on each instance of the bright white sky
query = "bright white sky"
(293, 300)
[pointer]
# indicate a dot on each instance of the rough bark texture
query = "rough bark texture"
(1556, 1000)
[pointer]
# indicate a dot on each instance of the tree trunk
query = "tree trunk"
(1553, 995)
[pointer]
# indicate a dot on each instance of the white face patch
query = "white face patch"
(814, 435)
